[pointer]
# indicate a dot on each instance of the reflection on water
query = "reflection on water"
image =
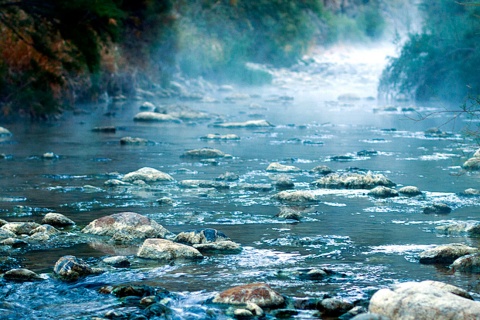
(369, 243)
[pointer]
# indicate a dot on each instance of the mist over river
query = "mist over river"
(323, 111)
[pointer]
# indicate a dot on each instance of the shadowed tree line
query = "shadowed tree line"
(55, 53)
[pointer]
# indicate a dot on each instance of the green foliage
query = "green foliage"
(442, 61)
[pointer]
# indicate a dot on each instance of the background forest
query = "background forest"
(57, 53)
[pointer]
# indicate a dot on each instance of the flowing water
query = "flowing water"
(370, 243)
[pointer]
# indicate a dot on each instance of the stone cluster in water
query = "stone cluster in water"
(425, 300)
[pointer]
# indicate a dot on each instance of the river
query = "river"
(322, 108)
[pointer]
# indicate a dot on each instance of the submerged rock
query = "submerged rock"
(21, 275)
(130, 224)
(383, 192)
(425, 300)
(216, 136)
(259, 293)
(70, 268)
(246, 124)
(278, 167)
(108, 129)
(135, 141)
(148, 116)
(204, 153)
(445, 254)
(166, 250)
(437, 208)
(295, 196)
(57, 220)
(353, 180)
(147, 174)
(203, 184)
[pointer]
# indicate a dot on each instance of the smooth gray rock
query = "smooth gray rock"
(259, 293)
(445, 254)
(383, 192)
(204, 153)
(468, 263)
(148, 116)
(147, 175)
(166, 250)
(410, 191)
(217, 136)
(424, 300)
(323, 170)
(472, 228)
(129, 223)
(20, 228)
(200, 236)
(278, 167)
(225, 246)
(57, 220)
(246, 124)
(472, 164)
(21, 275)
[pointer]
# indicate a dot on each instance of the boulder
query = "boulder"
(323, 170)
(204, 153)
(353, 180)
(147, 174)
(165, 250)
(410, 191)
(117, 261)
(437, 208)
(226, 246)
(20, 228)
(472, 228)
(468, 263)
(246, 124)
(296, 196)
(127, 223)
(57, 220)
(70, 268)
(334, 307)
(445, 254)
(383, 192)
(259, 293)
(289, 213)
(425, 300)
(283, 183)
(148, 116)
(21, 275)
(278, 167)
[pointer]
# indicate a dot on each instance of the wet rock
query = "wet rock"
(122, 291)
(165, 250)
(14, 242)
(289, 213)
(342, 158)
(204, 153)
(147, 106)
(437, 208)
(259, 293)
(323, 170)
(3, 222)
(383, 192)
(203, 184)
(284, 183)
(165, 201)
(5, 234)
(243, 313)
(299, 196)
(472, 228)
(129, 223)
(228, 176)
(116, 183)
(135, 141)
(246, 124)
(471, 192)
(21, 275)
(355, 311)
(334, 307)
(20, 228)
(226, 246)
(148, 116)
(70, 268)
(436, 133)
(147, 175)
(472, 164)
(278, 167)
(108, 129)
(216, 136)
(445, 254)
(49, 156)
(410, 191)
(43, 233)
(4, 132)
(57, 220)
(260, 187)
(370, 316)
(117, 261)
(367, 153)
(425, 300)
(468, 263)
(200, 236)
(353, 180)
